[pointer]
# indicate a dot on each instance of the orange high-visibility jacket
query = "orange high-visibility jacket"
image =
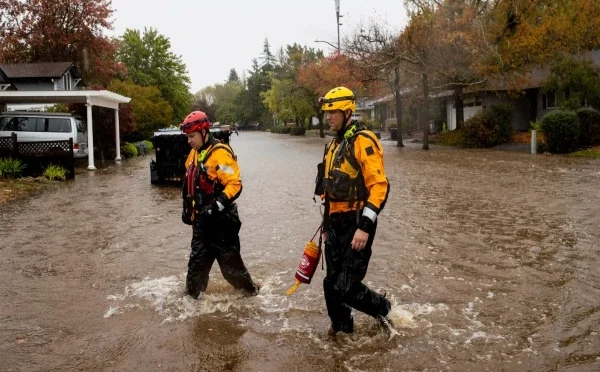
(221, 166)
(354, 175)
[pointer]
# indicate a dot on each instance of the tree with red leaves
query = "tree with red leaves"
(60, 31)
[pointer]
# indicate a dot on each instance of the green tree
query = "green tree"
(225, 96)
(58, 107)
(233, 75)
(150, 111)
(204, 101)
(150, 62)
(580, 78)
(288, 101)
(268, 58)
(286, 98)
(252, 108)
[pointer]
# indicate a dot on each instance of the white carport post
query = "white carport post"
(117, 136)
(90, 132)
(91, 98)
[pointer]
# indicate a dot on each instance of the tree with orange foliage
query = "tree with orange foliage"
(322, 75)
(527, 32)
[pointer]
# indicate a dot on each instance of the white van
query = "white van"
(46, 126)
(357, 117)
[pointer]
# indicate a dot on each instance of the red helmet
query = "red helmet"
(195, 122)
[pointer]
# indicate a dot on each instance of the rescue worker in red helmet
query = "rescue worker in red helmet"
(354, 187)
(212, 184)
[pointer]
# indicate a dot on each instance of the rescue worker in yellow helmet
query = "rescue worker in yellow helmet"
(212, 184)
(354, 187)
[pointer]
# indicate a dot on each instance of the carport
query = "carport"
(101, 98)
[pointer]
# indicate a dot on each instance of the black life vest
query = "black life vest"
(343, 179)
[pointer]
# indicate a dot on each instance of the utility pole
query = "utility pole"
(338, 16)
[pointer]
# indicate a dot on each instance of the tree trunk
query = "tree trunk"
(425, 114)
(398, 105)
(321, 130)
(460, 107)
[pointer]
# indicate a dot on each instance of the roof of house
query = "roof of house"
(536, 77)
(49, 70)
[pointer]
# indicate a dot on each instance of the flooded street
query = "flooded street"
(491, 260)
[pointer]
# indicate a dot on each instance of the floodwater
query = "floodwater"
(491, 260)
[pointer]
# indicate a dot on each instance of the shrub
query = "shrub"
(499, 118)
(281, 129)
(55, 172)
(561, 129)
(142, 148)
(128, 150)
(370, 124)
(451, 138)
(542, 147)
(149, 145)
(11, 168)
(589, 125)
(489, 128)
(297, 131)
(476, 133)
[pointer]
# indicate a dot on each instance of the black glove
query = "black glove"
(210, 211)
(186, 213)
(185, 219)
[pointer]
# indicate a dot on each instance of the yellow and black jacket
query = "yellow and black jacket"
(212, 175)
(353, 174)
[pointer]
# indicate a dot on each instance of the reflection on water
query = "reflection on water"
(490, 259)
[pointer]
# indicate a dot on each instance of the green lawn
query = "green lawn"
(593, 152)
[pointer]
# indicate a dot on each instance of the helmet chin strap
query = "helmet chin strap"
(205, 137)
(345, 125)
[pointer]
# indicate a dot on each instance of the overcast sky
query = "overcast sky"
(213, 36)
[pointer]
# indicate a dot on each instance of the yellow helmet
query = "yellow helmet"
(340, 98)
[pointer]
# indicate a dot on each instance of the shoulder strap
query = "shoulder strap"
(368, 134)
(217, 146)
(363, 133)
(327, 147)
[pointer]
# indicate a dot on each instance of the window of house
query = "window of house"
(469, 102)
(550, 100)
